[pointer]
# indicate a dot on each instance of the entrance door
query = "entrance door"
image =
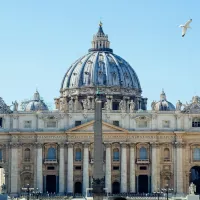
(116, 188)
(78, 188)
(195, 177)
(143, 184)
(51, 183)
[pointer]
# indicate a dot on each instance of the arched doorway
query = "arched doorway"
(143, 184)
(116, 188)
(195, 177)
(78, 188)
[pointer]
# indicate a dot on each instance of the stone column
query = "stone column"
(85, 167)
(132, 168)
(108, 167)
(154, 184)
(179, 167)
(70, 165)
(61, 170)
(39, 178)
(123, 184)
(14, 169)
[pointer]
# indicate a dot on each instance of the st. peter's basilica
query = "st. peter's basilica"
(143, 149)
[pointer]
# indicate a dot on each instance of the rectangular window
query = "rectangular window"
(116, 123)
(50, 168)
(77, 123)
(1, 122)
(77, 167)
(143, 168)
(115, 167)
(27, 124)
(51, 124)
(195, 124)
(165, 124)
(142, 124)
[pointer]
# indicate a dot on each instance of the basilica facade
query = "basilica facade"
(144, 150)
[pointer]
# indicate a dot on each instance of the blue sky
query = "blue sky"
(39, 40)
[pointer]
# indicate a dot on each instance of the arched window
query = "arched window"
(143, 153)
(51, 153)
(196, 154)
(166, 153)
(78, 155)
(1, 155)
(27, 154)
(116, 154)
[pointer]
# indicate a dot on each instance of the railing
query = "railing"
(49, 161)
(143, 161)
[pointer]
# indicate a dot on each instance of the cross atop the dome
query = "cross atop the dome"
(100, 23)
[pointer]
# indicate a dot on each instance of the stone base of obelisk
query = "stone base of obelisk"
(97, 197)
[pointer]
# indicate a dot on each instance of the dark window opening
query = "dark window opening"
(143, 168)
(116, 123)
(115, 106)
(50, 168)
(195, 124)
(77, 123)
(1, 122)
(77, 167)
(115, 167)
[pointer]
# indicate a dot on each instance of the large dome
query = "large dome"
(101, 68)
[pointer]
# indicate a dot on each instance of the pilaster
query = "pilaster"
(108, 167)
(85, 167)
(14, 169)
(70, 165)
(123, 184)
(39, 178)
(132, 168)
(61, 169)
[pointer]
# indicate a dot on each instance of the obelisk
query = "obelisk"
(98, 174)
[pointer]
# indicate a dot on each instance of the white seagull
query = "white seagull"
(185, 27)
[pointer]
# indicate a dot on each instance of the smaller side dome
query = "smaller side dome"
(163, 104)
(4, 109)
(35, 104)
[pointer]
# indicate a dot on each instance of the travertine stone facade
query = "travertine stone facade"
(143, 149)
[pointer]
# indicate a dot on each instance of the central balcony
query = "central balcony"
(143, 161)
(50, 161)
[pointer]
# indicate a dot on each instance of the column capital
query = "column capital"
(38, 145)
(124, 144)
(61, 145)
(179, 144)
(132, 145)
(70, 144)
(86, 144)
(107, 144)
(15, 145)
(155, 145)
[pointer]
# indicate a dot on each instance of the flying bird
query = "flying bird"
(185, 27)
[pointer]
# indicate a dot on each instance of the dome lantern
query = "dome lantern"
(163, 96)
(100, 41)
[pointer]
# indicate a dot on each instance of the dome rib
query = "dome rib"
(82, 73)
